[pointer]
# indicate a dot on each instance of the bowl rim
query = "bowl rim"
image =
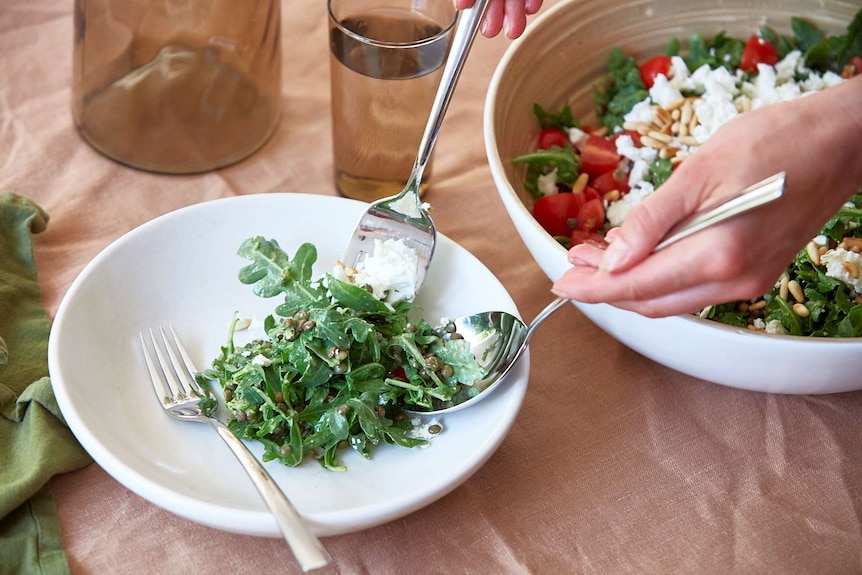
(505, 188)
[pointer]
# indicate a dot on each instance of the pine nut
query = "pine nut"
(796, 291)
(688, 140)
(675, 114)
(800, 310)
(660, 137)
(783, 289)
(759, 304)
(666, 153)
(676, 104)
(601, 132)
(682, 132)
(852, 244)
(813, 254)
(652, 143)
(693, 124)
(634, 126)
(580, 184)
(242, 324)
(850, 269)
(687, 113)
(612, 196)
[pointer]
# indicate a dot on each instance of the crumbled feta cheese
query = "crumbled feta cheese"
(617, 211)
(578, 137)
(261, 360)
(663, 92)
(391, 272)
(407, 206)
(844, 265)
(713, 111)
(641, 158)
(775, 327)
(547, 183)
(640, 112)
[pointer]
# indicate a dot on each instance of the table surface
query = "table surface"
(615, 464)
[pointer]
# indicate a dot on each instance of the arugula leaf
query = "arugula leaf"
(562, 120)
(804, 33)
(564, 160)
(324, 376)
(623, 89)
(833, 52)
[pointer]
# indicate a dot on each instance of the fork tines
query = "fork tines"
(175, 371)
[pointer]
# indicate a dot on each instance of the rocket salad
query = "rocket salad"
(336, 367)
(652, 115)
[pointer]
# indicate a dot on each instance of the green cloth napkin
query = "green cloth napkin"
(35, 443)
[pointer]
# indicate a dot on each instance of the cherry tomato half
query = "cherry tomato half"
(580, 236)
(650, 69)
(598, 156)
(757, 50)
(852, 68)
(553, 137)
(607, 182)
(558, 213)
(591, 216)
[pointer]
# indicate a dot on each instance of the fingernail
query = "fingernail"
(615, 256)
(485, 26)
(506, 25)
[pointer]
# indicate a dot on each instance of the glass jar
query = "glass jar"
(176, 86)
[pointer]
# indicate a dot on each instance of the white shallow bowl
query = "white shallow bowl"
(181, 268)
(558, 60)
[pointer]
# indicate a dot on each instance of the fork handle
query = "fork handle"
(306, 548)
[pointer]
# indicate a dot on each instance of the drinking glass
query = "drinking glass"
(386, 59)
(176, 86)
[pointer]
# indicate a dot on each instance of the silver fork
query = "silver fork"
(172, 375)
(403, 216)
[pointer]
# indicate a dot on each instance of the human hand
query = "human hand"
(816, 140)
(508, 14)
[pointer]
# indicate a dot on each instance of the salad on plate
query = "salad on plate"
(339, 361)
(652, 115)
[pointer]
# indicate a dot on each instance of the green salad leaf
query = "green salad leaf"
(561, 120)
(336, 366)
(622, 90)
(564, 160)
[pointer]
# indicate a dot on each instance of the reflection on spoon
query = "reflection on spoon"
(498, 339)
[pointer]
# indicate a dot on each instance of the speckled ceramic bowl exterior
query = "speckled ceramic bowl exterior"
(558, 60)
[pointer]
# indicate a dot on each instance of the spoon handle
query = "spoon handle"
(760, 193)
(462, 40)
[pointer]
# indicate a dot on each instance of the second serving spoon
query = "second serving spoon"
(498, 339)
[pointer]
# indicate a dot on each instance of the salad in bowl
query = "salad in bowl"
(651, 114)
(561, 61)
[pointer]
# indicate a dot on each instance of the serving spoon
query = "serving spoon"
(498, 339)
(403, 216)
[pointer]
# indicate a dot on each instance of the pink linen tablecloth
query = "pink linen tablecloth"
(614, 465)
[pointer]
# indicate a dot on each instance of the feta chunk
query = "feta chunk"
(392, 272)
(547, 183)
(844, 265)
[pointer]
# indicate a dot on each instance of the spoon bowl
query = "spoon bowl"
(498, 339)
